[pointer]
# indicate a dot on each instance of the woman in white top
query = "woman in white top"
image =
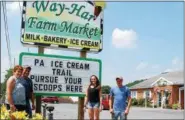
(15, 91)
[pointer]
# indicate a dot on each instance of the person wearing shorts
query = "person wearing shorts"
(93, 98)
(119, 96)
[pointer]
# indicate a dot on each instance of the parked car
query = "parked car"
(51, 99)
(105, 101)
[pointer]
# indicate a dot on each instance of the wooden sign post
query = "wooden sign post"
(81, 99)
(38, 98)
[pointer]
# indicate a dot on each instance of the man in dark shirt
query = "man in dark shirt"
(29, 90)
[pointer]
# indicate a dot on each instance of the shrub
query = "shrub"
(134, 102)
(169, 107)
(149, 103)
(175, 106)
(155, 106)
(141, 102)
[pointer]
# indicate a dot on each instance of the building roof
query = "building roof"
(175, 77)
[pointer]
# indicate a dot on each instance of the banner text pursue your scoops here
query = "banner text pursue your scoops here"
(61, 79)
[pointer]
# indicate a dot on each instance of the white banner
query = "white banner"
(60, 74)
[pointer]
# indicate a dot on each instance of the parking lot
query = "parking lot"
(70, 111)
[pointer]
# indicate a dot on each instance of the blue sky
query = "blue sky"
(141, 39)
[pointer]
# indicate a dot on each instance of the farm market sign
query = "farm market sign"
(72, 25)
(60, 75)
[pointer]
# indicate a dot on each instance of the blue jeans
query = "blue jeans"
(93, 104)
(118, 114)
(28, 109)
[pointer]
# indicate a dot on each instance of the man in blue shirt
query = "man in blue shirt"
(27, 82)
(118, 100)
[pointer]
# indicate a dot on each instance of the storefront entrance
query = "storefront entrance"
(159, 98)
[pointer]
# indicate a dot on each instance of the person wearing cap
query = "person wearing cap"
(29, 90)
(118, 100)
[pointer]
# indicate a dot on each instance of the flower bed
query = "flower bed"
(7, 115)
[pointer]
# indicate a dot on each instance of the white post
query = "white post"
(161, 100)
(145, 102)
(145, 98)
(180, 97)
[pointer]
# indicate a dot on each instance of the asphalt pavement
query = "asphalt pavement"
(70, 111)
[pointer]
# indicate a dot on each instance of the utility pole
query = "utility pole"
(14, 62)
(83, 54)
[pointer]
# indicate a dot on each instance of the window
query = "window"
(134, 94)
(147, 93)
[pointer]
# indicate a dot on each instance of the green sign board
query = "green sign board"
(68, 25)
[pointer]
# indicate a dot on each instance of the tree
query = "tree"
(134, 83)
(9, 73)
(105, 89)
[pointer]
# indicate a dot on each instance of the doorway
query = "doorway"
(159, 99)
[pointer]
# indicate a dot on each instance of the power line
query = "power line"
(6, 32)
(7, 26)
(20, 7)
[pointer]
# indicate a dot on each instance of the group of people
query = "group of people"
(19, 91)
(119, 100)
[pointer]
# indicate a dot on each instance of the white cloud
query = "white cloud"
(176, 64)
(124, 38)
(176, 61)
(141, 66)
(14, 6)
(155, 66)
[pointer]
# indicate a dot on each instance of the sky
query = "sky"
(140, 40)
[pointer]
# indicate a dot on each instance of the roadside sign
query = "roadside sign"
(58, 24)
(60, 75)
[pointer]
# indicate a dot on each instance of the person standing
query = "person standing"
(93, 98)
(15, 91)
(27, 82)
(119, 96)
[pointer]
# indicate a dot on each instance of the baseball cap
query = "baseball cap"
(121, 78)
(27, 67)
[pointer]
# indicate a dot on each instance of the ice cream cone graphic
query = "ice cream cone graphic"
(97, 11)
(99, 6)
